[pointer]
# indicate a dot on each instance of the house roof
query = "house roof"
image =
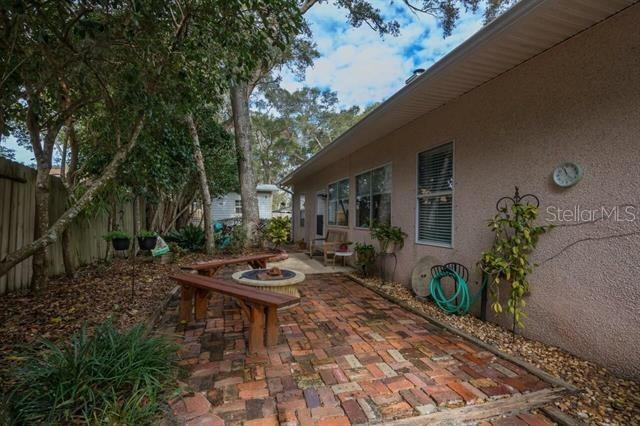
(524, 31)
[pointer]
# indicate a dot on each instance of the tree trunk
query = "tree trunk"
(204, 186)
(177, 215)
(241, 120)
(43, 151)
(63, 159)
(67, 254)
(39, 278)
(111, 220)
(73, 160)
(71, 144)
(53, 233)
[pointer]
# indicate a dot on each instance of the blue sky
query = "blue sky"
(361, 66)
(357, 63)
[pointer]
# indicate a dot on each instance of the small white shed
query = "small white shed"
(229, 207)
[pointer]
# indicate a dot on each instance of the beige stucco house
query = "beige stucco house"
(549, 82)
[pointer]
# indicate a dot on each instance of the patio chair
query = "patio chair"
(332, 237)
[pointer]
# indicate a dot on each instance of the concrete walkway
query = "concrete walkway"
(302, 263)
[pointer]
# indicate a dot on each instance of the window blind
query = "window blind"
(435, 195)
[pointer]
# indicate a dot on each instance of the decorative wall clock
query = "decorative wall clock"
(567, 174)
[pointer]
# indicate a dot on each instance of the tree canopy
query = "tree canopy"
(110, 83)
(117, 73)
(289, 127)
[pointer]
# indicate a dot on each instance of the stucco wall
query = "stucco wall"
(580, 102)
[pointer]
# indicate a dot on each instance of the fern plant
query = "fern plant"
(190, 238)
(507, 262)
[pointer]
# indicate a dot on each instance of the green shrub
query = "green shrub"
(111, 377)
(147, 234)
(237, 240)
(190, 237)
(278, 230)
(387, 235)
(365, 257)
(116, 234)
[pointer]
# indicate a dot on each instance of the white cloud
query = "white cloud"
(361, 66)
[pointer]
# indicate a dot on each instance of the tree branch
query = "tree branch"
(304, 7)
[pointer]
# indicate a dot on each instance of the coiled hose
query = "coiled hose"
(460, 301)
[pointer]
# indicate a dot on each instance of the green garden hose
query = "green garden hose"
(460, 301)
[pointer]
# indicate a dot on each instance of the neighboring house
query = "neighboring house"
(229, 206)
(548, 82)
(283, 211)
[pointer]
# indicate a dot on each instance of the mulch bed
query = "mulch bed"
(98, 292)
(604, 398)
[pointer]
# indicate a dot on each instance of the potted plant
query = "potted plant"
(147, 240)
(390, 238)
(119, 239)
(365, 257)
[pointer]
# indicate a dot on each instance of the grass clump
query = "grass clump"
(112, 377)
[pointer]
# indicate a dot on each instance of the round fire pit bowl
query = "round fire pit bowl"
(285, 283)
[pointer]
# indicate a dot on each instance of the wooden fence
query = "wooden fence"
(17, 225)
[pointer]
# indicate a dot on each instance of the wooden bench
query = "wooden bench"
(255, 304)
(209, 269)
(256, 261)
(332, 238)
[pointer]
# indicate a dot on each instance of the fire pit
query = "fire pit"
(277, 280)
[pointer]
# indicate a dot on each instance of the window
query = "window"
(373, 197)
(238, 206)
(301, 202)
(435, 195)
(339, 203)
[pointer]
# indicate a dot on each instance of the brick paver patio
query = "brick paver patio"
(345, 356)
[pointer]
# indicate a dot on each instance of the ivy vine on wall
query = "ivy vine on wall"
(507, 263)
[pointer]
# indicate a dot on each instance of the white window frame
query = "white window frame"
(302, 211)
(335, 225)
(452, 193)
(237, 204)
(355, 183)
